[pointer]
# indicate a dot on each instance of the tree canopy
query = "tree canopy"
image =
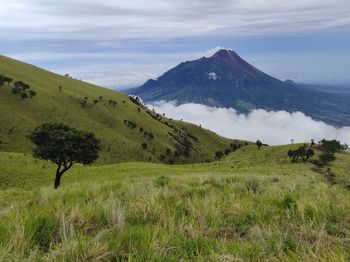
(64, 146)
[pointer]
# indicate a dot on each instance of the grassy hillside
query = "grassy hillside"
(251, 206)
(75, 105)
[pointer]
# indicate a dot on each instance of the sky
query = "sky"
(120, 44)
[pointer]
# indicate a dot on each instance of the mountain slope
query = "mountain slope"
(110, 114)
(226, 80)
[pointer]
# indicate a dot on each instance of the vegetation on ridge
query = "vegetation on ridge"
(84, 106)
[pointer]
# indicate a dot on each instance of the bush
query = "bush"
(162, 158)
(327, 158)
(130, 124)
(24, 95)
(219, 155)
(32, 93)
(331, 145)
(144, 146)
(147, 135)
(302, 153)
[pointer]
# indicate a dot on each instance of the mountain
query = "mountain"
(226, 80)
(117, 121)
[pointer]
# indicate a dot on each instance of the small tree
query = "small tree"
(344, 147)
(259, 144)
(219, 155)
(327, 158)
(2, 80)
(32, 93)
(312, 142)
(64, 146)
(24, 95)
(330, 145)
(8, 80)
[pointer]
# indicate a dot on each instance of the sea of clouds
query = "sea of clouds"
(272, 127)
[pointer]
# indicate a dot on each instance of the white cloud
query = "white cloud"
(271, 127)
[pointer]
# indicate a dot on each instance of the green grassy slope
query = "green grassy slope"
(252, 206)
(120, 143)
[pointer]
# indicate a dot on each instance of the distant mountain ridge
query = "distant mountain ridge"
(226, 80)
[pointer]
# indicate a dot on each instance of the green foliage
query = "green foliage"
(331, 145)
(5, 79)
(24, 95)
(218, 155)
(32, 93)
(302, 153)
(327, 157)
(130, 124)
(64, 146)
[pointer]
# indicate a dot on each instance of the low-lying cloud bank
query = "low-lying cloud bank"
(274, 127)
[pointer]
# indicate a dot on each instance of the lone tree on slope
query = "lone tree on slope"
(64, 146)
(259, 144)
(219, 155)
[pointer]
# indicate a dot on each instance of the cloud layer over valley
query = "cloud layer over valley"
(271, 127)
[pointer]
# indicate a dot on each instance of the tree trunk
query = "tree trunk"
(57, 180)
(60, 172)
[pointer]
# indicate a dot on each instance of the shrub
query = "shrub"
(32, 93)
(147, 135)
(130, 124)
(302, 153)
(259, 144)
(24, 95)
(327, 158)
(218, 155)
(162, 158)
(330, 145)
(144, 146)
